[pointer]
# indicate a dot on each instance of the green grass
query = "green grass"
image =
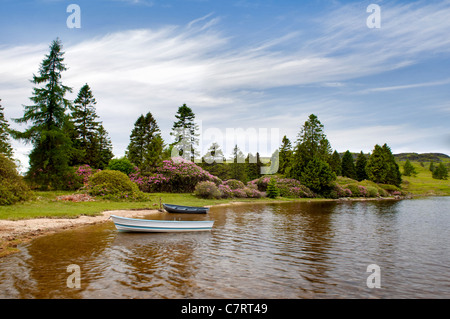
(423, 183)
(45, 205)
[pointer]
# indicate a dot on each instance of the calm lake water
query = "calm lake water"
(289, 250)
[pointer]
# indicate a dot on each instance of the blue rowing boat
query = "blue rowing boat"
(185, 209)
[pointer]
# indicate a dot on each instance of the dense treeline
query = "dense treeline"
(69, 142)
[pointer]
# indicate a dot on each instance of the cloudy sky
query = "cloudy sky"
(257, 66)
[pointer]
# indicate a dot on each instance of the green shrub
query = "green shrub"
(12, 186)
(389, 188)
(114, 185)
(207, 189)
(121, 164)
(272, 189)
(372, 191)
(354, 189)
(380, 190)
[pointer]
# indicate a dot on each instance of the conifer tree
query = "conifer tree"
(272, 189)
(214, 162)
(348, 166)
(317, 176)
(214, 155)
(440, 172)
(431, 168)
(382, 168)
(104, 149)
(376, 165)
(285, 156)
(184, 131)
(335, 163)
(5, 145)
(408, 169)
(51, 147)
(237, 166)
(146, 144)
(394, 176)
(85, 130)
(253, 166)
(312, 144)
(361, 162)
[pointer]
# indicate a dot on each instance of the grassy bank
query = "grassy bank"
(46, 205)
(423, 184)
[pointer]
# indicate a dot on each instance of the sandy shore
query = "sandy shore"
(19, 231)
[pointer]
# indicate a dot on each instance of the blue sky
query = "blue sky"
(254, 65)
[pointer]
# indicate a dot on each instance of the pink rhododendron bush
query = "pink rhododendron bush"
(237, 190)
(174, 175)
(80, 176)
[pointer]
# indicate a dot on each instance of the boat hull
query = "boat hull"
(185, 209)
(159, 226)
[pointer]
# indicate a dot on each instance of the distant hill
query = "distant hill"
(424, 157)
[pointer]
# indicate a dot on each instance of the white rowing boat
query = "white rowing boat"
(152, 226)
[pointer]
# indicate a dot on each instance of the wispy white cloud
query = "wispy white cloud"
(148, 3)
(406, 86)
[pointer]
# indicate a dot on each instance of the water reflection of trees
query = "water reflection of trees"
(306, 231)
(44, 261)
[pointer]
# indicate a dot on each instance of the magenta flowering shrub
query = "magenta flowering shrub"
(362, 191)
(225, 191)
(254, 193)
(177, 175)
(261, 182)
(79, 176)
(211, 190)
(341, 191)
(84, 172)
(288, 187)
(239, 193)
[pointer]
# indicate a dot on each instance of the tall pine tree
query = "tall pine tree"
(382, 168)
(5, 145)
(361, 163)
(184, 131)
(335, 163)
(285, 156)
(348, 165)
(253, 166)
(312, 144)
(394, 176)
(51, 147)
(86, 129)
(104, 149)
(214, 162)
(237, 165)
(146, 144)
